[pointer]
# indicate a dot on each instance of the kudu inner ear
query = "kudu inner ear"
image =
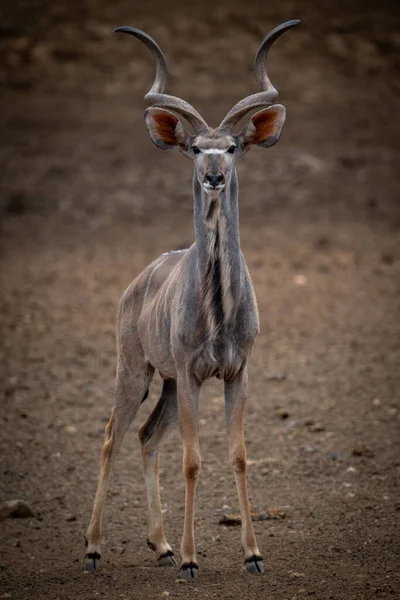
(165, 129)
(265, 127)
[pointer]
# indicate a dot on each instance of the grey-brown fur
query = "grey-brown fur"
(191, 315)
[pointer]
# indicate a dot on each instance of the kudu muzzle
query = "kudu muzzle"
(214, 181)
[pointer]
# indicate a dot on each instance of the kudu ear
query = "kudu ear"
(265, 127)
(165, 129)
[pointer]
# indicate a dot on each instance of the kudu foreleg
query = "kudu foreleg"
(188, 392)
(235, 400)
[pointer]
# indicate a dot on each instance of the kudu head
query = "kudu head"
(214, 151)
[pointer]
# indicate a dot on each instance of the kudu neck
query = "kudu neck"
(216, 222)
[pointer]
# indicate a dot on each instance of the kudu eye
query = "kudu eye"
(231, 149)
(196, 150)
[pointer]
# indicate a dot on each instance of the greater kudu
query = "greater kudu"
(191, 314)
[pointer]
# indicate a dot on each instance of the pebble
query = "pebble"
(165, 594)
(300, 279)
(362, 450)
(71, 429)
(15, 509)
(316, 427)
(335, 456)
(281, 412)
(180, 580)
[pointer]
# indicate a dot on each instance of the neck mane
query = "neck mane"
(216, 222)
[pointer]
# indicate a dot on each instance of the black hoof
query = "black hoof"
(189, 571)
(92, 561)
(255, 565)
(167, 560)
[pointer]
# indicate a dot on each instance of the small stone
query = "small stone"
(296, 574)
(15, 509)
(6, 595)
(230, 520)
(71, 429)
(362, 450)
(351, 470)
(317, 427)
(19, 445)
(276, 513)
(281, 412)
(307, 449)
(180, 580)
(335, 455)
(300, 279)
(376, 402)
(165, 594)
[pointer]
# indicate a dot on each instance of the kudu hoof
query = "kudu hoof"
(255, 565)
(92, 561)
(189, 571)
(167, 560)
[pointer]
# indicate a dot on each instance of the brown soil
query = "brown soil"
(87, 201)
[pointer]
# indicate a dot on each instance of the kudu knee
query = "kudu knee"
(192, 466)
(237, 458)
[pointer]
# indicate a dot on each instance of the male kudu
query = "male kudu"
(191, 314)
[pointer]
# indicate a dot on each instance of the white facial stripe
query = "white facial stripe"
(214, 151)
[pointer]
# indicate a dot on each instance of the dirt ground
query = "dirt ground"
(87, 201)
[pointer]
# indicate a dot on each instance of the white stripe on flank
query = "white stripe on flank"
(214, 151)
(150, 278)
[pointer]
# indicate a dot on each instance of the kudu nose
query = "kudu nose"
(215, 179)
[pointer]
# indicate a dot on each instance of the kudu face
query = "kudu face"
(214, 159)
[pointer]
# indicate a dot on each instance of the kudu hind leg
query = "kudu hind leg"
(151, 434)
(130, 391)
(235, 399)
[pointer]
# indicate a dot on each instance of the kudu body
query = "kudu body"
(192, 314)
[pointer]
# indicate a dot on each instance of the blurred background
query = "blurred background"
(86, 201)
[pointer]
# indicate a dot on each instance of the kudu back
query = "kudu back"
(191, 314)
